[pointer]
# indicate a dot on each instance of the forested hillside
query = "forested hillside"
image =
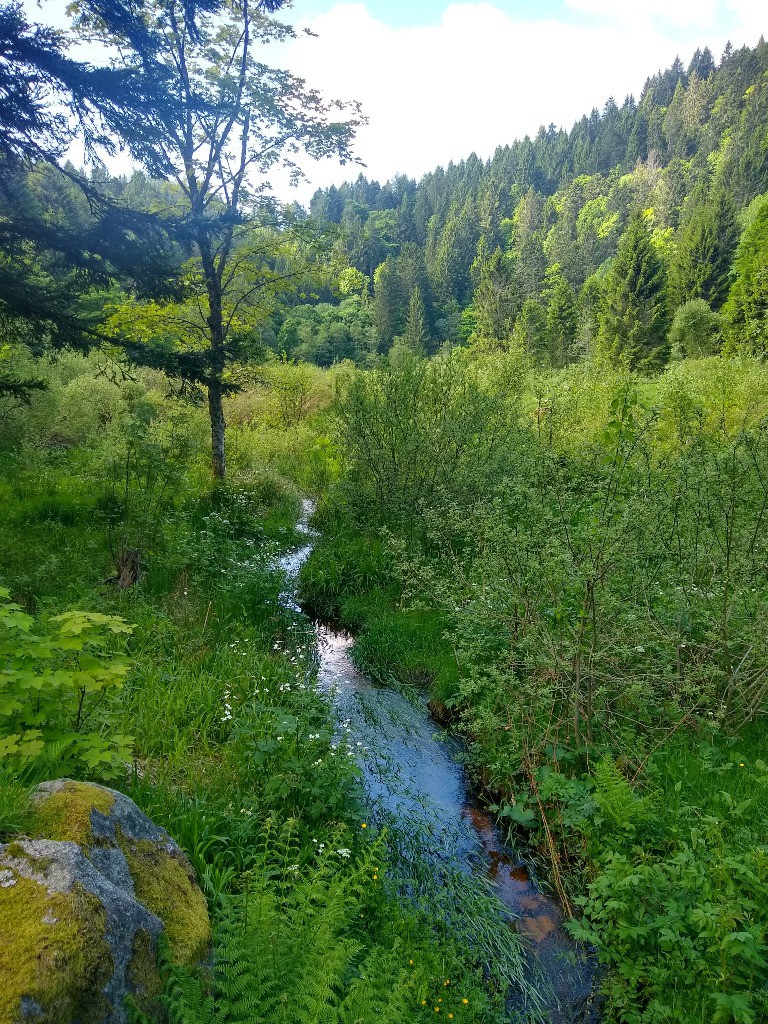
(574, 243)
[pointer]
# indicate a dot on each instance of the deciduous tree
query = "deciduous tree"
(232, 120)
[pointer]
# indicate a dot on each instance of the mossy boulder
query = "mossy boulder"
(82, 907)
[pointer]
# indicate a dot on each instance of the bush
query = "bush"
(695, 331)
(418, 432)
(52, 685)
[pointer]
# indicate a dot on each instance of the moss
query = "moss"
(66, 814)
(53, 952)
(164, 885)
(144, 975)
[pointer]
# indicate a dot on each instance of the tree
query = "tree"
(231, 120)
(634, 322)
(704, 252)
(562, 321)
(46, 100)
(495, 300)
(416, 336)
(389, 303)
(530, 332)
(454, 252)
(746, 311)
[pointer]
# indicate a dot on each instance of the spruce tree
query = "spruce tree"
(416, 335)
(704, 253)
(530, 332)
(496, 299)
(635, 318)
(746, 311)
(561, 316)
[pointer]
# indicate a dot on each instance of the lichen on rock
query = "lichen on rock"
(83, 907)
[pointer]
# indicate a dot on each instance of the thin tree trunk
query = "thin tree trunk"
(216, 335)
(218, 430)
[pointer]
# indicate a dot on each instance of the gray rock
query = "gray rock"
(62, 868)
(75, 894)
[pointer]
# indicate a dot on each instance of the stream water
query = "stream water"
(414, 779)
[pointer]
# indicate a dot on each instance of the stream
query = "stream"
(416, 785)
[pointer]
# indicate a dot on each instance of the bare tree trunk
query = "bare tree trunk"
(217, 340)
(128, 568)
(218, 431)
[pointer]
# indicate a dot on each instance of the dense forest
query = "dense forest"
(571, 245)
(525, 401)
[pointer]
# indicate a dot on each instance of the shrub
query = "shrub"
(695, 330)
(51, 687)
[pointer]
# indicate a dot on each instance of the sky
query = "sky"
(439, 80)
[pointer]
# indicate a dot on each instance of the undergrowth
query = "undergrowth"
(230, 745)
(591, 616)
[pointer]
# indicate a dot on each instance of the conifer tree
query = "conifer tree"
(635, 317)
(746, 311)
(496, 298)
(704, 252)
(416, 335)
(561, 316)
(530, 332)
(387, 307)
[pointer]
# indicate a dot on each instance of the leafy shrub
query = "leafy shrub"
(682, 935)
(418, 431)
(87, 405)
(695, 330)
(51, 686)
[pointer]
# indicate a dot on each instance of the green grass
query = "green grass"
(411, 647)
(348, 580)
(718, 778)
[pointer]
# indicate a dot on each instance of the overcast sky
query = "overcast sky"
(440, 80)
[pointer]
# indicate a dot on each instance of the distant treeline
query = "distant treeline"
(574, 243)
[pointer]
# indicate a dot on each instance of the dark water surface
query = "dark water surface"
(413, 776)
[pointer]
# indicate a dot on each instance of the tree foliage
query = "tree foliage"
(634, 322)
(231, 120)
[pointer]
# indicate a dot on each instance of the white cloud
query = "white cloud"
(685, 13)
(751, 19)
(480, 79)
